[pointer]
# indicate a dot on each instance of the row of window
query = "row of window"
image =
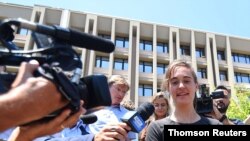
(239, 77)
(184, 49)
(147, 67)
(202, 73)
(122, 64)
(147, 90)
(164, 48)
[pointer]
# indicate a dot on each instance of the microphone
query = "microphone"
(88, 119)
(136, 119)
(71, 36)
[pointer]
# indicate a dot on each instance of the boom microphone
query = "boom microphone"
(136, 119)
(88, 119)
(71, 36)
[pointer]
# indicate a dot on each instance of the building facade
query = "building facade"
(144, 50)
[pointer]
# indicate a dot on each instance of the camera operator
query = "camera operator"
(220, 107)
(37, 95)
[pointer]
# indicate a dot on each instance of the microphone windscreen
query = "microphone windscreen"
(92, 42)
(145, 110)
(88, 119)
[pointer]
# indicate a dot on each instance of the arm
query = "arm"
(38, 129)
(113, 132)
(216, 114)
(142, 135)
(38, 96)
(154, 132)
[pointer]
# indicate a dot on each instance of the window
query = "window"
(220, 55)
(121, 64)
(102, 62)
(146, 67)
(145, 90)
(185, 50)
(121, 42)
(241, 58)
(202, 73)
(223, 76)
(162, 48)
(242, 77)
(200, 52)
(146, 45)
(105, 36)
(161, 68)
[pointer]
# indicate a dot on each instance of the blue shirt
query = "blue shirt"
(75, 133)
(111, 114)
(237, 121)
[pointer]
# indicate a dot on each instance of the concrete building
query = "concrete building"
(144, 50)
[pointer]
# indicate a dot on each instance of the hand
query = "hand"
(215, 113)
(38, 129)
(25, 71)
(40, 91)
(113, 132)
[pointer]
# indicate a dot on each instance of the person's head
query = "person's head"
(160, 102)
(181, 82)
(118, 87)
(223, 103)
(128, 104)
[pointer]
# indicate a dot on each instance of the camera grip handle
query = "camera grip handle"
(6, 80)
(63, 84)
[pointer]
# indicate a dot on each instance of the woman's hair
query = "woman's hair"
(158, 96)
(171, 68)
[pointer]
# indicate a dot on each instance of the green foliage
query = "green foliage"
(240, 106)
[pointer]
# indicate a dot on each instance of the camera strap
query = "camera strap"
(63, 84)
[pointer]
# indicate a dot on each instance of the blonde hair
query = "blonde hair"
(128, 104)
(165, 97)
(159, 95)
(171, 68)
(118, 80)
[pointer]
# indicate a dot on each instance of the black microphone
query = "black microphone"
(71, 36)
(136, 119)
(88, 119)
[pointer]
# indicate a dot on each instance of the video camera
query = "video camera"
(204, 103)
(56, 57)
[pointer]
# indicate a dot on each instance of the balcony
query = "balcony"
(100, 71)
(121, 51)
(241, 67)
(146, 77)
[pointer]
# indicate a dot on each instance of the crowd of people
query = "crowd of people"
(27, 101)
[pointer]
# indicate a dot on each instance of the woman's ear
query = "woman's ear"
(197, 86)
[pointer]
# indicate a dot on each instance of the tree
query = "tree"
(240, 106)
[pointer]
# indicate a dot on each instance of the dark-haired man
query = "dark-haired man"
(220, 107)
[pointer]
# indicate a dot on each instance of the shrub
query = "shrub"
(240, 105)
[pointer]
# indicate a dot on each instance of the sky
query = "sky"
(229, 17)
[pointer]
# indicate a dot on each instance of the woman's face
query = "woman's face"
(182, 86)
(161, 107)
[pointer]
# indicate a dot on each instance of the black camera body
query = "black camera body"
(204, 103)
(56, 58)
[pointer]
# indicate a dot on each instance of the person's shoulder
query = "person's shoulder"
(164, 121)
(122, 108)
(209, 121)
(101, 111)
